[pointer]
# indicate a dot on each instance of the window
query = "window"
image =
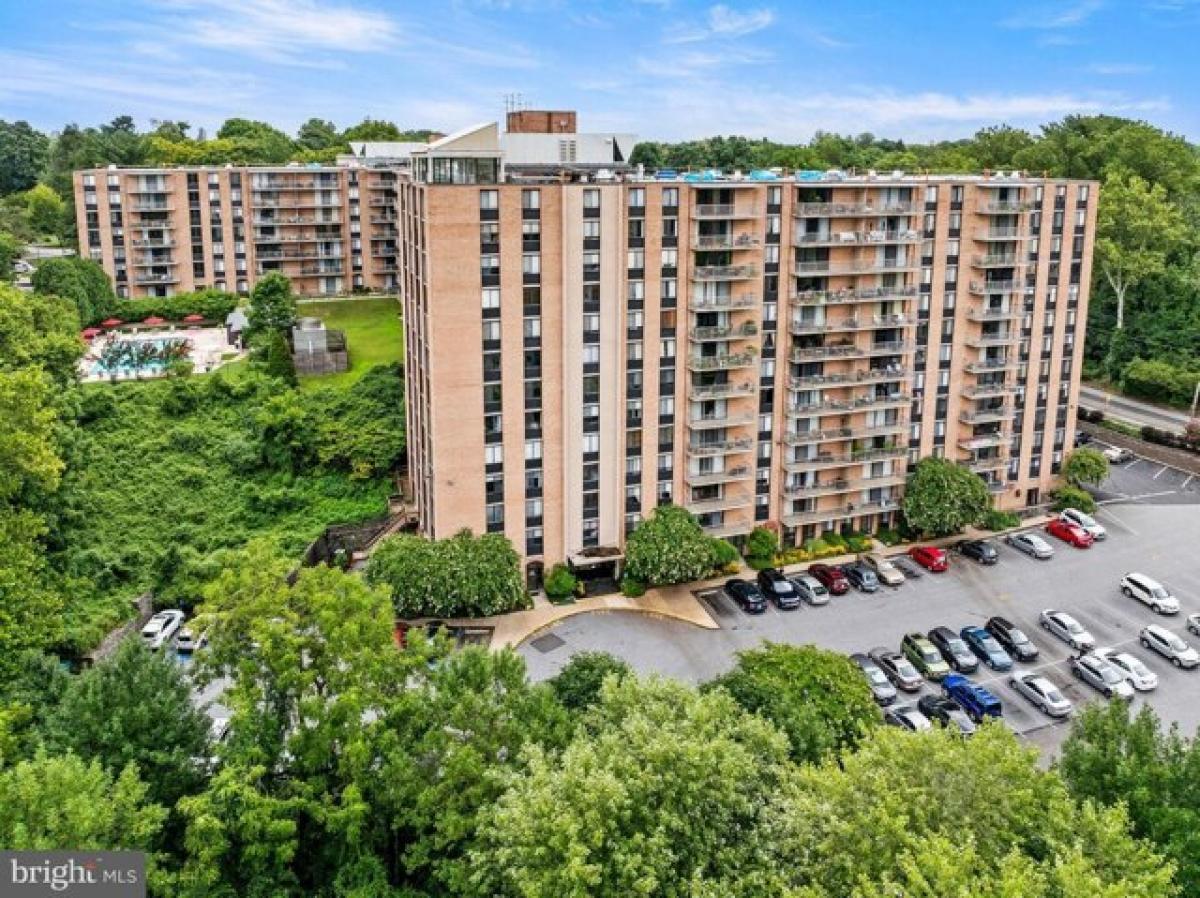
(489, 199)
(633, 350)
(531, 263)
(591, 229)
(637, 196)
(591, 353)
(670, 196)
(591, 442)
(670, 258)
(591, 198)
(493, 455)
(495, 515)
(666, 406)
(533, 328)
(531, 199)
(666, 348)
(491, 331)
(533, 450)
(1082, 194)
(636, 259)
(634, 319)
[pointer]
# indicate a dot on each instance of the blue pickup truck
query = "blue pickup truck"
(971, 697)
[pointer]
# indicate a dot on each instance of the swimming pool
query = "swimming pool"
(126, 368)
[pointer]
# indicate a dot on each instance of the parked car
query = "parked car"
(1012, 639)
(1101, 676)
(977, 701)
(940, 709)
(1149, 592)
(1138, 675)
(907, 568)
(1170, 646)
(954, 650)
(831, 578)
(1117, 455)
(1069, 630)
(1082, 438)
(775, 586)
(748, 596)
(1086, 521)
(986, 648)
(924, 656)
(1071, 533)
(881, 687)
(930, 557)
(978, 550)
(810, 589)
(159, 629)
(887, 573)
(1031, 544)
(1040, 692)
(861, 577)
(907, 717)
(187, 641)
(897, 669)
(1193, 623)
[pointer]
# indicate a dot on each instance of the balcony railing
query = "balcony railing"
(829, 460)
(731, 332)
(985, 441)
(987, 391)
(857, 266)
(292, 220)
(156, 279)
(154, 263)
(838, 297)
(873, 375)
(721, 391)
(1000, 234)
(983, 465)
(724, 210)
(731, 499)
(293, 184)
(984, 288)
(720, 447)
(854, 404)
(987, 414)
(843, 511)
(850, 351)
(724, 303)
(984, 341)
(729, 475)
(723, 362)
(992, 314)
(855, 238)
(724, 272)
(985, 366)
(834, 210)
(272, 256)
(997, 260)
(843, 485)
(800, 326)
(319, 270)
(724, 241)
(728, 528)
(152, 207)
(150, 244)
(720, 419)
(1003, 208)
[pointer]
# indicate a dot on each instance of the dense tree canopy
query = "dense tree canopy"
(669, 547)
(81, 281)
(942, 497)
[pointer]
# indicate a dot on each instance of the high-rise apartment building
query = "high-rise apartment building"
(759, 349)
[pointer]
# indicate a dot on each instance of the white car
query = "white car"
(1042, 693)
(1102, 676)
(1169, 646)
(1069, 630)
(1116, 455)
(188, 641)
(1031, 544)
(1193, 623)
(1130, 666)
(1088, 523)
(160, 628)
(811, 589)
(1149, 592)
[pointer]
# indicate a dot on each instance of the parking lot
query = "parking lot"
(1159, 540)
(1147, 482)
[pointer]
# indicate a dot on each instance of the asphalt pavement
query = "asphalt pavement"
(1132, 411)
(1159, 540)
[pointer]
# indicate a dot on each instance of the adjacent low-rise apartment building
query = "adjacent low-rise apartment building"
(586, 341)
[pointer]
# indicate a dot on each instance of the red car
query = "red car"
(930, 558)
(831, 578)
(1070, 533)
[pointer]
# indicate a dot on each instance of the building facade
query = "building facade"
(759, 350)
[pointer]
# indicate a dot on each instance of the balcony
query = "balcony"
(874, 375)
(723, 362)
(290, 255)
(721, 391)
(998, 207)
(987, 234)
(729, 475)
(855, 404)
(731, 499)
(829, 460)
(724, 272)
(724, 303)
(983, 315)
(856, 238)
(856, 266)
(152, 279)
(725, 529)
(720, 447)
(154, 263)
(987, 366)
(152, 207)
(720, 419)
(983, 465)
(840, 297)
(988, 391)
(709, 334)
(384, 219)
(850, 351)
(334, 203)
(801, 327)
(265, 184)
(987, 414)
(985, 441)
(724, 210)
(163, 242)
(987, 288)
(837, 434)
(153, 187)
(292, 220)
(155, 224)
(985, 341)
(848, 510)
(997, 260)
(843, 485)
(321, 270)
(724, 241)
(841, 210)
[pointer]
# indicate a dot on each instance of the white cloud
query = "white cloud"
(1118, 68)
(1061, 15)
(698, 62)
(722, 22)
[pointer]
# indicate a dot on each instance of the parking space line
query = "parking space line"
(1183, 486)
(1160, 473)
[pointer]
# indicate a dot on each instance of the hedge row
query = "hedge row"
(214, 305)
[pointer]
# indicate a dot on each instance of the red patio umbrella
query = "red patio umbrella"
(88, 332)
(154, 319)
(193, 317)
(111, 322)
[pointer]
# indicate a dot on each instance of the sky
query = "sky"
(663, 69)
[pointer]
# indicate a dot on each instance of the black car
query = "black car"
(978, 550)
(954, 650)
(778, 588)
(945, 711)
(1013, 639)
(747, 595)
(861, 577)
(1082, 438)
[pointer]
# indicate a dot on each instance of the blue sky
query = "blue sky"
(664, 69)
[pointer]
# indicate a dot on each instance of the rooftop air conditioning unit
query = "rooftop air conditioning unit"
(871, 174)
(897, 173)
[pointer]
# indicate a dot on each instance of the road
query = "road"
(1132, 411)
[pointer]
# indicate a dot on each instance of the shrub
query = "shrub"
(724, 553)
(1085, 466)
(577, 685)
(835, 539)
(668, 547)
(1158, 380)
(763, 543)
(632, 588)
(995, 519)
(561, 583)
(859, 543)
(815, 546)
(888, 536)
(1073, 497)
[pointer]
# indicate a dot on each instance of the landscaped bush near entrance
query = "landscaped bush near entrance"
(1073, 497)
(561, 583)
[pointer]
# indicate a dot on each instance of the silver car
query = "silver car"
(1101, 676)
(1193, 623)
(881, 688)
(888, 573)
(908, 717)
(1045, 695)
(1069, 630)
(1169, 646)
(1031, 544)
(1149, 592)
(811, 589)
(1130, 666)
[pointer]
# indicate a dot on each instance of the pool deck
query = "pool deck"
(209, 345)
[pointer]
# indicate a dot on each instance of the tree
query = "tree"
(1073, 497)
(1117, 758)
(272, 305)
(560, 583)
(287, 432)
(1085, 467)
(23, 154)
(135, 708)
(62, 803)
(1137, 230)
(372, 130)
(30, 609)
(279, 359)
(668, 547)
(29, 457)
(39, 330)
(46, 210)
(660, 792)
(362, 430)
(815, 697)
(254, 141)
(577, 685)
(462, 576)
(942, 498)
(10, 254)
(762, 545)
(81, 281)
(318, 134)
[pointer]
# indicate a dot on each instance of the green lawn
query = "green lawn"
(374, 334)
